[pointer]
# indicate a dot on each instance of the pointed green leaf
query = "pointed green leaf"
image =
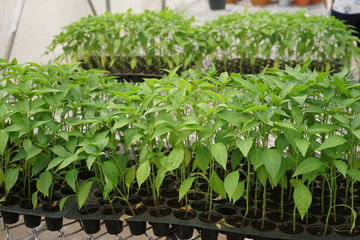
(302, 145)
(302, 198)
(354, 174)
(4, 137)
(332, 141)
(322, 128)
(83, 193)
(143, 172)
(62, 202)
(185, 187)
(11, 176)
(60, 151)
(44, 182)
(307, 166)
(239, 191)
(111, 172)
(174, 160)
(341, 166)
(217, 185)
(71, 178)
(272, 162)
(90, 160)
(202, 158)
(244, 145)
(230, 183)
(219, 152)
(130, 176)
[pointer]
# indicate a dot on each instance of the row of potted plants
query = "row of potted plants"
(151, 41)
(291, 134)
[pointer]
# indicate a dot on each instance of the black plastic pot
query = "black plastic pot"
(160, 229)
(10, 217)
(90, 226)
(182, 231)
(113, 227)
(217, 4)
(234, 236)
(31, 221)
(52, 224)
(209, 234)
(136, 227)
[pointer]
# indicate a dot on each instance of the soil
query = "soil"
(237, 221)
(160, 212)
(200, 205)
(174, 203)
(268, 226)
(252, 214)
(227, 210)
(151, 203)
(169, 193)
(185, 215)
(276, 217)
(89, 209)
(214, 217)
(332, 220)
(318, 230)
(195, 196)
(137, 211)
(288, 228)
(309, 219)
(345, 231)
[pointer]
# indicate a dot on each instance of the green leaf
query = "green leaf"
(133, 63)
(321, 128)
(67, 162)
(244, 145)
(60, 151)
(90, 160)
(11, 176)
(185, 187)
(354, 174)
(159, 179)
(174, 160)
(302, 145)
(236, 157)
(255, 108)
(131, 135)
(33, 152)
(357, 133)
(34, 199)
(4, 137)
(27, 145)
(257, 158)
(143, 172)
(341, 166)
(272, 162)
(302, 198)
(202, 158)
(219, 152)
(239, 191)
(54, 162)
(71, 178)
(332, 141)
(119, 123)
(308, 165)
(83, 193)
(217, 185)
(230, 183)
(130, 176)
(62, 202)
(44, 182)
(110, 172)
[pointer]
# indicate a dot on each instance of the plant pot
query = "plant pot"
(217, 4)
(160, 229)
(209, 234)
(318, 230)
(182, 231)
(113, 227)
(302, 3)
(136, 227)
(234, 236)
(90, 226)
(31, 221)
(260, 2)
(9, 217)
(284, 3)
(52, 224)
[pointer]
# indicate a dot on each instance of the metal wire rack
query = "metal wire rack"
(73, 230)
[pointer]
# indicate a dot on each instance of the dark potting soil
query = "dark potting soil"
(318, 230)
(237, 221)
(89, 209)
(133, 200)
(308, 219)
(210, 217)
(169, 193)
(145, 192)
(195, 196)
(227, 210)
(149, 202)
(11, 201)
(276, 217)
(200, 205)
(333, 220)
(84, 175)
(111, 210)
(137, 211)
(160, 211)
(345, 231)
(174, 203)
(288, 228)
(54, 197)
(252, 214)
(184, 215)
(268, 226)
(66, 190)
